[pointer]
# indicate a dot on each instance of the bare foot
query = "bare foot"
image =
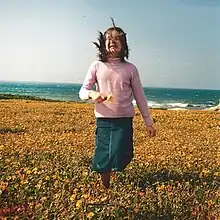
(105, 177)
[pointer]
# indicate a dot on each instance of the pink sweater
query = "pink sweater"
(122, 80)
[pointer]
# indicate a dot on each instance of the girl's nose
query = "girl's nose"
(112, 42)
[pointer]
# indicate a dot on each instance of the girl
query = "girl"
(117, 81)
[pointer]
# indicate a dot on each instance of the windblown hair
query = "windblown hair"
(102, 53)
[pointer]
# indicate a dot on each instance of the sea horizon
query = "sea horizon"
(80, 84)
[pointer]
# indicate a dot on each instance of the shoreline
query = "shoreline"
(5, 96)
(25, 97)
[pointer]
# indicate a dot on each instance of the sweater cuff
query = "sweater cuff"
(84, 94)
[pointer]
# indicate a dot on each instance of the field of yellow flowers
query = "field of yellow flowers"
(45, 165)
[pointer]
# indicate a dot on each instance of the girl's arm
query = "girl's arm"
(138, 93)
(89, 82)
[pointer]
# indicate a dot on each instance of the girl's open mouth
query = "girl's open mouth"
(113, 46)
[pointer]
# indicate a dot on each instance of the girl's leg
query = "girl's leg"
(105, 179)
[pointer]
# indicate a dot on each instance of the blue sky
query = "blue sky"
(174, 43)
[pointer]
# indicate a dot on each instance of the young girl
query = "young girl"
(117, 81)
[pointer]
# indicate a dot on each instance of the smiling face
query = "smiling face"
(113, 43)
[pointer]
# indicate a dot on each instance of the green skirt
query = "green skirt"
(113, 144)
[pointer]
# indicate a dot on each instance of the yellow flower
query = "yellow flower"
(2, 147)
(38, 186)
(56, 196)
(86, 196)
(43, 199)
(72, 197)
(104, 199)
(3, 185)
(204, 173)
(56, 183)
(54, 177)
(78, 204)
(217, 174)
(75, 190)
(24, 182)
(28, 172)
(8, 177)
(38, 206)
(85, 173)
(35, 169)
(90, 215)
(161, 188)
(47, 178)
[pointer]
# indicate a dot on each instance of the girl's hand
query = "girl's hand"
(151, 130)
(97, 96)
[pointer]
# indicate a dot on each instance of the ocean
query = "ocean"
(160, 98)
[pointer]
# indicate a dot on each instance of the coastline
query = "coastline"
(24, 97)
(35, 98)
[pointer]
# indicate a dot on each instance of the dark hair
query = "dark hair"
(102, 53)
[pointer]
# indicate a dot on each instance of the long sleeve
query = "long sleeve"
(89, 82)
(138, 93)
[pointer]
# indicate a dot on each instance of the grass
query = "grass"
(24, 97)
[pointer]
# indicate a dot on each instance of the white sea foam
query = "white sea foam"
(174, 105)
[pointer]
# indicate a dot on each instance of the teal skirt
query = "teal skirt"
(113, 144)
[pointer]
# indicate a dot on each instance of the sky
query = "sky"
(173, 43)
